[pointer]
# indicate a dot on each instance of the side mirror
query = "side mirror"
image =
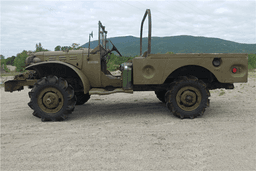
(90, 35)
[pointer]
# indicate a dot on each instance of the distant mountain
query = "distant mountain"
(130, 46)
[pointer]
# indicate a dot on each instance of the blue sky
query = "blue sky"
(53, 23)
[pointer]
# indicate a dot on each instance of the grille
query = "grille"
(53, 58)
(62, 58)
(73, 57)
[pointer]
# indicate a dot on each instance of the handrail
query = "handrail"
(149, 31)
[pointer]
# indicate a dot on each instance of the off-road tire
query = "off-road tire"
(187, 97)
(160, 94)
(82, 98)
(52, 99)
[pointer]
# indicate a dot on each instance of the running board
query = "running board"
(101, 91)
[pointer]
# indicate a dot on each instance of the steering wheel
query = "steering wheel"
(114, 48)
(106, 58)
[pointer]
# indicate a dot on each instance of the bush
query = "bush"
(10, 61)
(19, 61)
(3, 63)
(251, 61)
(115, 61)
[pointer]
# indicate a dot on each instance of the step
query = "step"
(101, 91)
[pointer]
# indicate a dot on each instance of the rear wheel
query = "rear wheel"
(188, 97)
(52, 98)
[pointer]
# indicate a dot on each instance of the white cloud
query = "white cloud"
(222, 10)
(25, 23)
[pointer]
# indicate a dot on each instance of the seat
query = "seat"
(139, 57)
(112, 76)
(145, 54)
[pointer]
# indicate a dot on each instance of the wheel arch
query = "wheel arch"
(195, 70)
(61, 69)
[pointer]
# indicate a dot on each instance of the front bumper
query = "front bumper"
(19, 81)
(13, 85)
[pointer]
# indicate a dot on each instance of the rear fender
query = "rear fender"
(84, 79)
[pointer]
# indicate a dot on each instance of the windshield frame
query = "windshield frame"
(102, 36)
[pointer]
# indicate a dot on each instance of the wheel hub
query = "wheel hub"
(51, 100)
(188, 98)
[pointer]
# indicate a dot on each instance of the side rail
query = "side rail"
(149, 31)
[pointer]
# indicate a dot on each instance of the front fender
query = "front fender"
(84, 79)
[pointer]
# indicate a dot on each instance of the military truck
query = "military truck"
(60, 80)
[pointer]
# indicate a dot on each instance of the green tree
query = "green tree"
(57, 48)
(10, 60)
(19, 61)
(3, 63)
(251, 61)
(63, 48)
(75, 46)
(2, 59)
(40, 48)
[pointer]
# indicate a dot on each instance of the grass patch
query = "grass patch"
(222, 93)
(11, 73)
(251, 70)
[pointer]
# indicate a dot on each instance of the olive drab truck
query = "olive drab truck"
(60, 80)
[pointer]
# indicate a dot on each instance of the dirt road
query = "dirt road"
(132, 132)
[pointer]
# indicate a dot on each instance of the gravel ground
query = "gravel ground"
(132, 132)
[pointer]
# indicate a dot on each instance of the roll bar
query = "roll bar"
(149, 31)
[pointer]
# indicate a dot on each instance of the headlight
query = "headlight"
(32, 59)
(36, 59)
(28, 60)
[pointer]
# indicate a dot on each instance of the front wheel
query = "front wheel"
(188, 97)
(52, 98)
